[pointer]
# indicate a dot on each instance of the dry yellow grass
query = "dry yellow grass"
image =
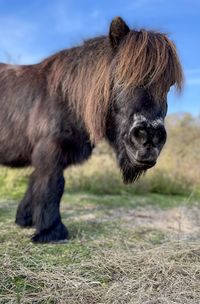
(125, 272)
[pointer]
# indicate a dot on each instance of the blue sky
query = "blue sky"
(32, 30)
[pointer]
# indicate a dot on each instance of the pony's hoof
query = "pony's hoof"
(57, 234)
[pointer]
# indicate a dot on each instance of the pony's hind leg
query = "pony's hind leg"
(25, 208)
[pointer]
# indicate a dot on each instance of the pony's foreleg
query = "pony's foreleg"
(46, 215)
(47, 191)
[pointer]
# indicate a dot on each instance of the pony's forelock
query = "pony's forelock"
(148, 59)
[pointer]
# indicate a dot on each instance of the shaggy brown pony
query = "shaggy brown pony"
(55, 112)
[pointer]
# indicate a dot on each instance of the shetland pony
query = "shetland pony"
(54, 113)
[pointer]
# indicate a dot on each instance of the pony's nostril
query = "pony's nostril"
(159, 136)
(139, 135)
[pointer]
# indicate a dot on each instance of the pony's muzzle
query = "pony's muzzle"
(147, 142)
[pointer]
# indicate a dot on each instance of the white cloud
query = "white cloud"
(193, 81)
(77, 23)
(16, 40)
(192, 76)
(192, 71)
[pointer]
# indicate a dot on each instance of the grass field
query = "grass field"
(128, 244)
(122, 249)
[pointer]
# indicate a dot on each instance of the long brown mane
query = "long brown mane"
(84, 74)
(148, 59)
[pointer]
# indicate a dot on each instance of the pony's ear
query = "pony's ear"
(118, 29)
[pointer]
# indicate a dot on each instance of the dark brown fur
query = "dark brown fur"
(53, 112)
